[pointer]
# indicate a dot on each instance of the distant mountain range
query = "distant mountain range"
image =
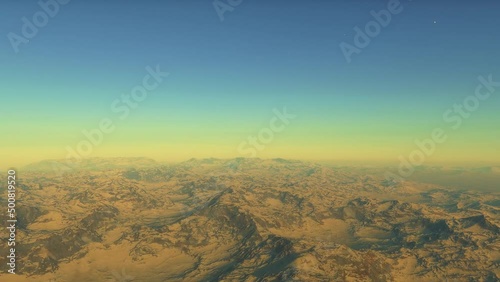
(89, 164)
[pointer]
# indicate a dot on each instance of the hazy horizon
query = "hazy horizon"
(356, 163)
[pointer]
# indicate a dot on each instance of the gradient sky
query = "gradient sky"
(226, 77)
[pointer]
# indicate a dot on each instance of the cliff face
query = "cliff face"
(250, 220)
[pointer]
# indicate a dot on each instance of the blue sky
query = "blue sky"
(263, 55)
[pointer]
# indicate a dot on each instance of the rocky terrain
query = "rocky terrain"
(248, 220)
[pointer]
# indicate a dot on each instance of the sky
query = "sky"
(229, 75)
